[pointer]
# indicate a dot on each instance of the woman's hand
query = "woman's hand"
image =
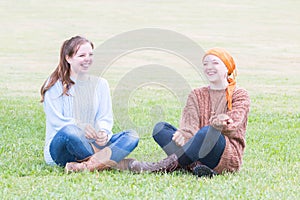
(90, 132)
(179, 139)
(220, 121)
(100, 137)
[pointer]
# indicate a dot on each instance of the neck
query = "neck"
(79, 77)
(222, 85)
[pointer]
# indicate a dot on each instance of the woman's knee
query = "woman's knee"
(158, 128)
(202, 132)
(133, 136)
(70, 132)
(70, 129)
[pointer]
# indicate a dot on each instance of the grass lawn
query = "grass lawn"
(263, 37)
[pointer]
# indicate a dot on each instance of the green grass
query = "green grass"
(262, 36)
(270, 165)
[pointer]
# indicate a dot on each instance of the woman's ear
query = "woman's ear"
(68, 59)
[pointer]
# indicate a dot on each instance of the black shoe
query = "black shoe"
(202, 170)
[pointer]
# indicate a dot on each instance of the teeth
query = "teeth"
(211, 73)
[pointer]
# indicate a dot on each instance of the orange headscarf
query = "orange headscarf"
(230, 64)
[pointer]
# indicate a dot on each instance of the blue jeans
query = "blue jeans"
(71, 145)
(206, 146)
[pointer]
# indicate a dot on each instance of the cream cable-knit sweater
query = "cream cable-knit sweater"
(199, 107)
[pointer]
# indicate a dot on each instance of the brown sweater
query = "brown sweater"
(201, 103)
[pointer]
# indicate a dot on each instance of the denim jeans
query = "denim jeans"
(71, 145)
(206, 146)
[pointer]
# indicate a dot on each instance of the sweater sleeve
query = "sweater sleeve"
(104, 115)
(189, 124)
(53, 108)
(239, 112)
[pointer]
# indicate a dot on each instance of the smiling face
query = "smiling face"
(81, 61)
(215, 71)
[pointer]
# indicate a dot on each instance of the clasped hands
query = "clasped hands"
(100, 137)
(220, 121)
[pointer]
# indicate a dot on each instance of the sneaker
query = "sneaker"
(204, 171)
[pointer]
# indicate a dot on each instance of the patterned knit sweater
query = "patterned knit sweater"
(201, 104)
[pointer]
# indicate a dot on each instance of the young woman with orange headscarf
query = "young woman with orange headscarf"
(211, 136)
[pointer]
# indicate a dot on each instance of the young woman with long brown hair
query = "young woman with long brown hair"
(79, 117)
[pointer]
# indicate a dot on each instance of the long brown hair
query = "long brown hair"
(62, 72)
